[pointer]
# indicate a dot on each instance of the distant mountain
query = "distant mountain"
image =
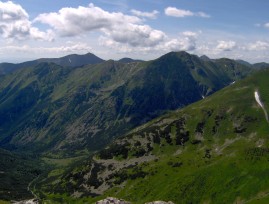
(261, 65)
(61, 111)
(73, 60)
(205, 58)
(129, 60)
(212, 151)
(244, 62)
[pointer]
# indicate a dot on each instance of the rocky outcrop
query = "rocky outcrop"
(32, 201)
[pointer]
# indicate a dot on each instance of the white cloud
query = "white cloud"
(136, 35)
(175, 12)
(74, 21)
(258, 46)
(152, 15)
(15, 24)
(36, 34)
(226, 45)
(186, 41)
(172, 11)
(115, 26)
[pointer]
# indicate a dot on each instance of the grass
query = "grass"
(4, 202)
(61, 162)
(220, 179)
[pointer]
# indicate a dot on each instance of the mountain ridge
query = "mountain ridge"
(114, 95)
(72, 60)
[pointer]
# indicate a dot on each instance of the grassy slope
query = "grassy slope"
(224, 158)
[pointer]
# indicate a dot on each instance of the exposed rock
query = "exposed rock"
(32, 201)
(111, 200)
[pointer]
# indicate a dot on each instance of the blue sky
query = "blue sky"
(143, 29)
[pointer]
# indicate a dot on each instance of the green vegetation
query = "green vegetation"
(64, 114)
(213, 151)
(16, 172)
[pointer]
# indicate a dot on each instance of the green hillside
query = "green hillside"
(65, 111)
(213, 151)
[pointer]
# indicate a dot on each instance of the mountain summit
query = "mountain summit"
(73, 60)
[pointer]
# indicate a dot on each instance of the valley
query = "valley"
(141, 131)
(134, 102)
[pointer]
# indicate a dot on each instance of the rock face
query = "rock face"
(32, 201)
(111, 200)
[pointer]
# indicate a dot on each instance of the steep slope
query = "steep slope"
(73, 60)
(213, 151)
(16, 172)
(67, 111)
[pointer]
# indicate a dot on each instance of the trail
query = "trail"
(30, 201)
(257, 97)
(29, 185)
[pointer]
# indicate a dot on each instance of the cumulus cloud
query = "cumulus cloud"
(258, 46)
(74, 21)
(136, 35)
(118, 27)
(152, 15)
(15, 24)
(180, 13)
(226, 45)
(185, 41)
(120, 32)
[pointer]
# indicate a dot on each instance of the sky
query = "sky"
(140, 29)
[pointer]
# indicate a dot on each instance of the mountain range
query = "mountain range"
(96, 126)
(53, 109)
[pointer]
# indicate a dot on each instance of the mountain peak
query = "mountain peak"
(205, 58)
